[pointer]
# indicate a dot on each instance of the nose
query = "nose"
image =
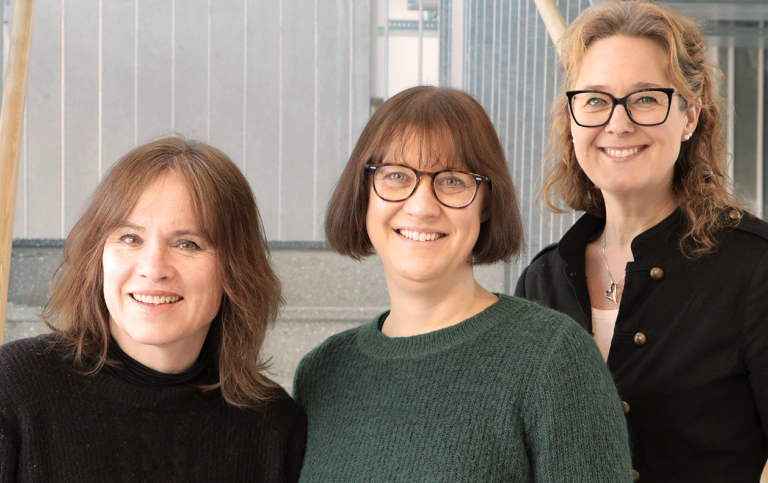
(620, 123)
(155, 264)
(422, 203)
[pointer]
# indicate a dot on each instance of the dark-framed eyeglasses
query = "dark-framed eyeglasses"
(452, 188)
(645, 107)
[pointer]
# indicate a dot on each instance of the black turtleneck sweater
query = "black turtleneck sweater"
(129, 423)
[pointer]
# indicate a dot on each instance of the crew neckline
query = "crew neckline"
(373, 343)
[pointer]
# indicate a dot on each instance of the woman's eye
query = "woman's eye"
(453, 182)
(646, 100)
(130, 239)
(188, 245)
(398, 177)
(595, 102)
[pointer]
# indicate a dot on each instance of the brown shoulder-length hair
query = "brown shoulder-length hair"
(700, 182)
(229, 219)
(451, 129)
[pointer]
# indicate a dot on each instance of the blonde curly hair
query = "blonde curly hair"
(700, 182)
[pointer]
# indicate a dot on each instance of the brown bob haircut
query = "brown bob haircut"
(226, 211)
(452, 131)
(700, 181)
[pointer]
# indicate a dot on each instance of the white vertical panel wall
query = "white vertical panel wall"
(509, 65)
(282, 86)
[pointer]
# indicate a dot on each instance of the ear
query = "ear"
(486, 213)
(692, 115)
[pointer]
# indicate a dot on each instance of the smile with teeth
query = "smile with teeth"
(622, 153)
(155, 300)
(420, 237)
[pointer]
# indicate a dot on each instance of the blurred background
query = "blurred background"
(285, 87)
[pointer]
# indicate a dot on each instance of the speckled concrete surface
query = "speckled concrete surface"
(31, 272)
(325, 293)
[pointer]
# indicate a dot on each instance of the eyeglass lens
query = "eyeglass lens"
(452, 188)
(594, 108)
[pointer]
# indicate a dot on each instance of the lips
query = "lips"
(420, 236)
(156, 299)
(622, 152)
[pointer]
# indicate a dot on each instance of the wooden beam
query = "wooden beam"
(11, 127)
(552, 17)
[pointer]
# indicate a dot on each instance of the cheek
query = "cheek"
(203, 277)
(470, 220)
(215, 288)
(376, 215)
(111, 272)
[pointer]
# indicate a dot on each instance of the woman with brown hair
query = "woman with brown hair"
(665, 269)
(454, 383)
(158, 313)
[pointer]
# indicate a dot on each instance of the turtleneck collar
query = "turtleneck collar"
(134, 372)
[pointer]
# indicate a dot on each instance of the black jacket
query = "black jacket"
(689, 353)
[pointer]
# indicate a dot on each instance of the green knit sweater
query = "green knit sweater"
(517, 393)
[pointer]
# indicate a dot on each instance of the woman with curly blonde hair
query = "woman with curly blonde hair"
(665, 269)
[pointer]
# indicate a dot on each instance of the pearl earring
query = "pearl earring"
(574, 141)
(687, 137)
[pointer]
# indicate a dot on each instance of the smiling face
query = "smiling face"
(419, 239)
(622, 158)
(161, 283)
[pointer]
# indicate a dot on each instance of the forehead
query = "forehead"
(621, 64)
(166, 198)
(424, 151)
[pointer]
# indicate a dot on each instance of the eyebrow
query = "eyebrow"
(174, 233)
(636, 86)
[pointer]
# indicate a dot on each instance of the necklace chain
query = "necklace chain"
(610, 294)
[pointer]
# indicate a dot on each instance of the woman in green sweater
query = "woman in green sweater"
(454, 383)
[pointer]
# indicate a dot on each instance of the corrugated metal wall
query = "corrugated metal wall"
(282, 86)
(510, 66)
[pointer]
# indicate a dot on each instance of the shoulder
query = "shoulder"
(542, 263)
(334, 345)
(29, 354)
(543, 330)
(744, 246)
(322, 362)
(550, 337)
(547, 251)
(29, 369)
(281, 412)
(334, 348)
(281, 403)
(751, 225)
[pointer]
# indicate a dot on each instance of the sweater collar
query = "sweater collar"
(377, 345)
(130, 370)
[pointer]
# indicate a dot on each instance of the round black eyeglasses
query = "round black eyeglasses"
(452, 188)
(645, 107)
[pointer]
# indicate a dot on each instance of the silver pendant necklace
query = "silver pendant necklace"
(610, 294)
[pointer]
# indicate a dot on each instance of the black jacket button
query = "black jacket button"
(657, 273)
(640, 339)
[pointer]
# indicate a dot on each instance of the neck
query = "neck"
(167, 358)
(423, 307)
(627, 218)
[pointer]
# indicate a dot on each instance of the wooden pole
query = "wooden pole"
(552, 17)
(11, 127)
